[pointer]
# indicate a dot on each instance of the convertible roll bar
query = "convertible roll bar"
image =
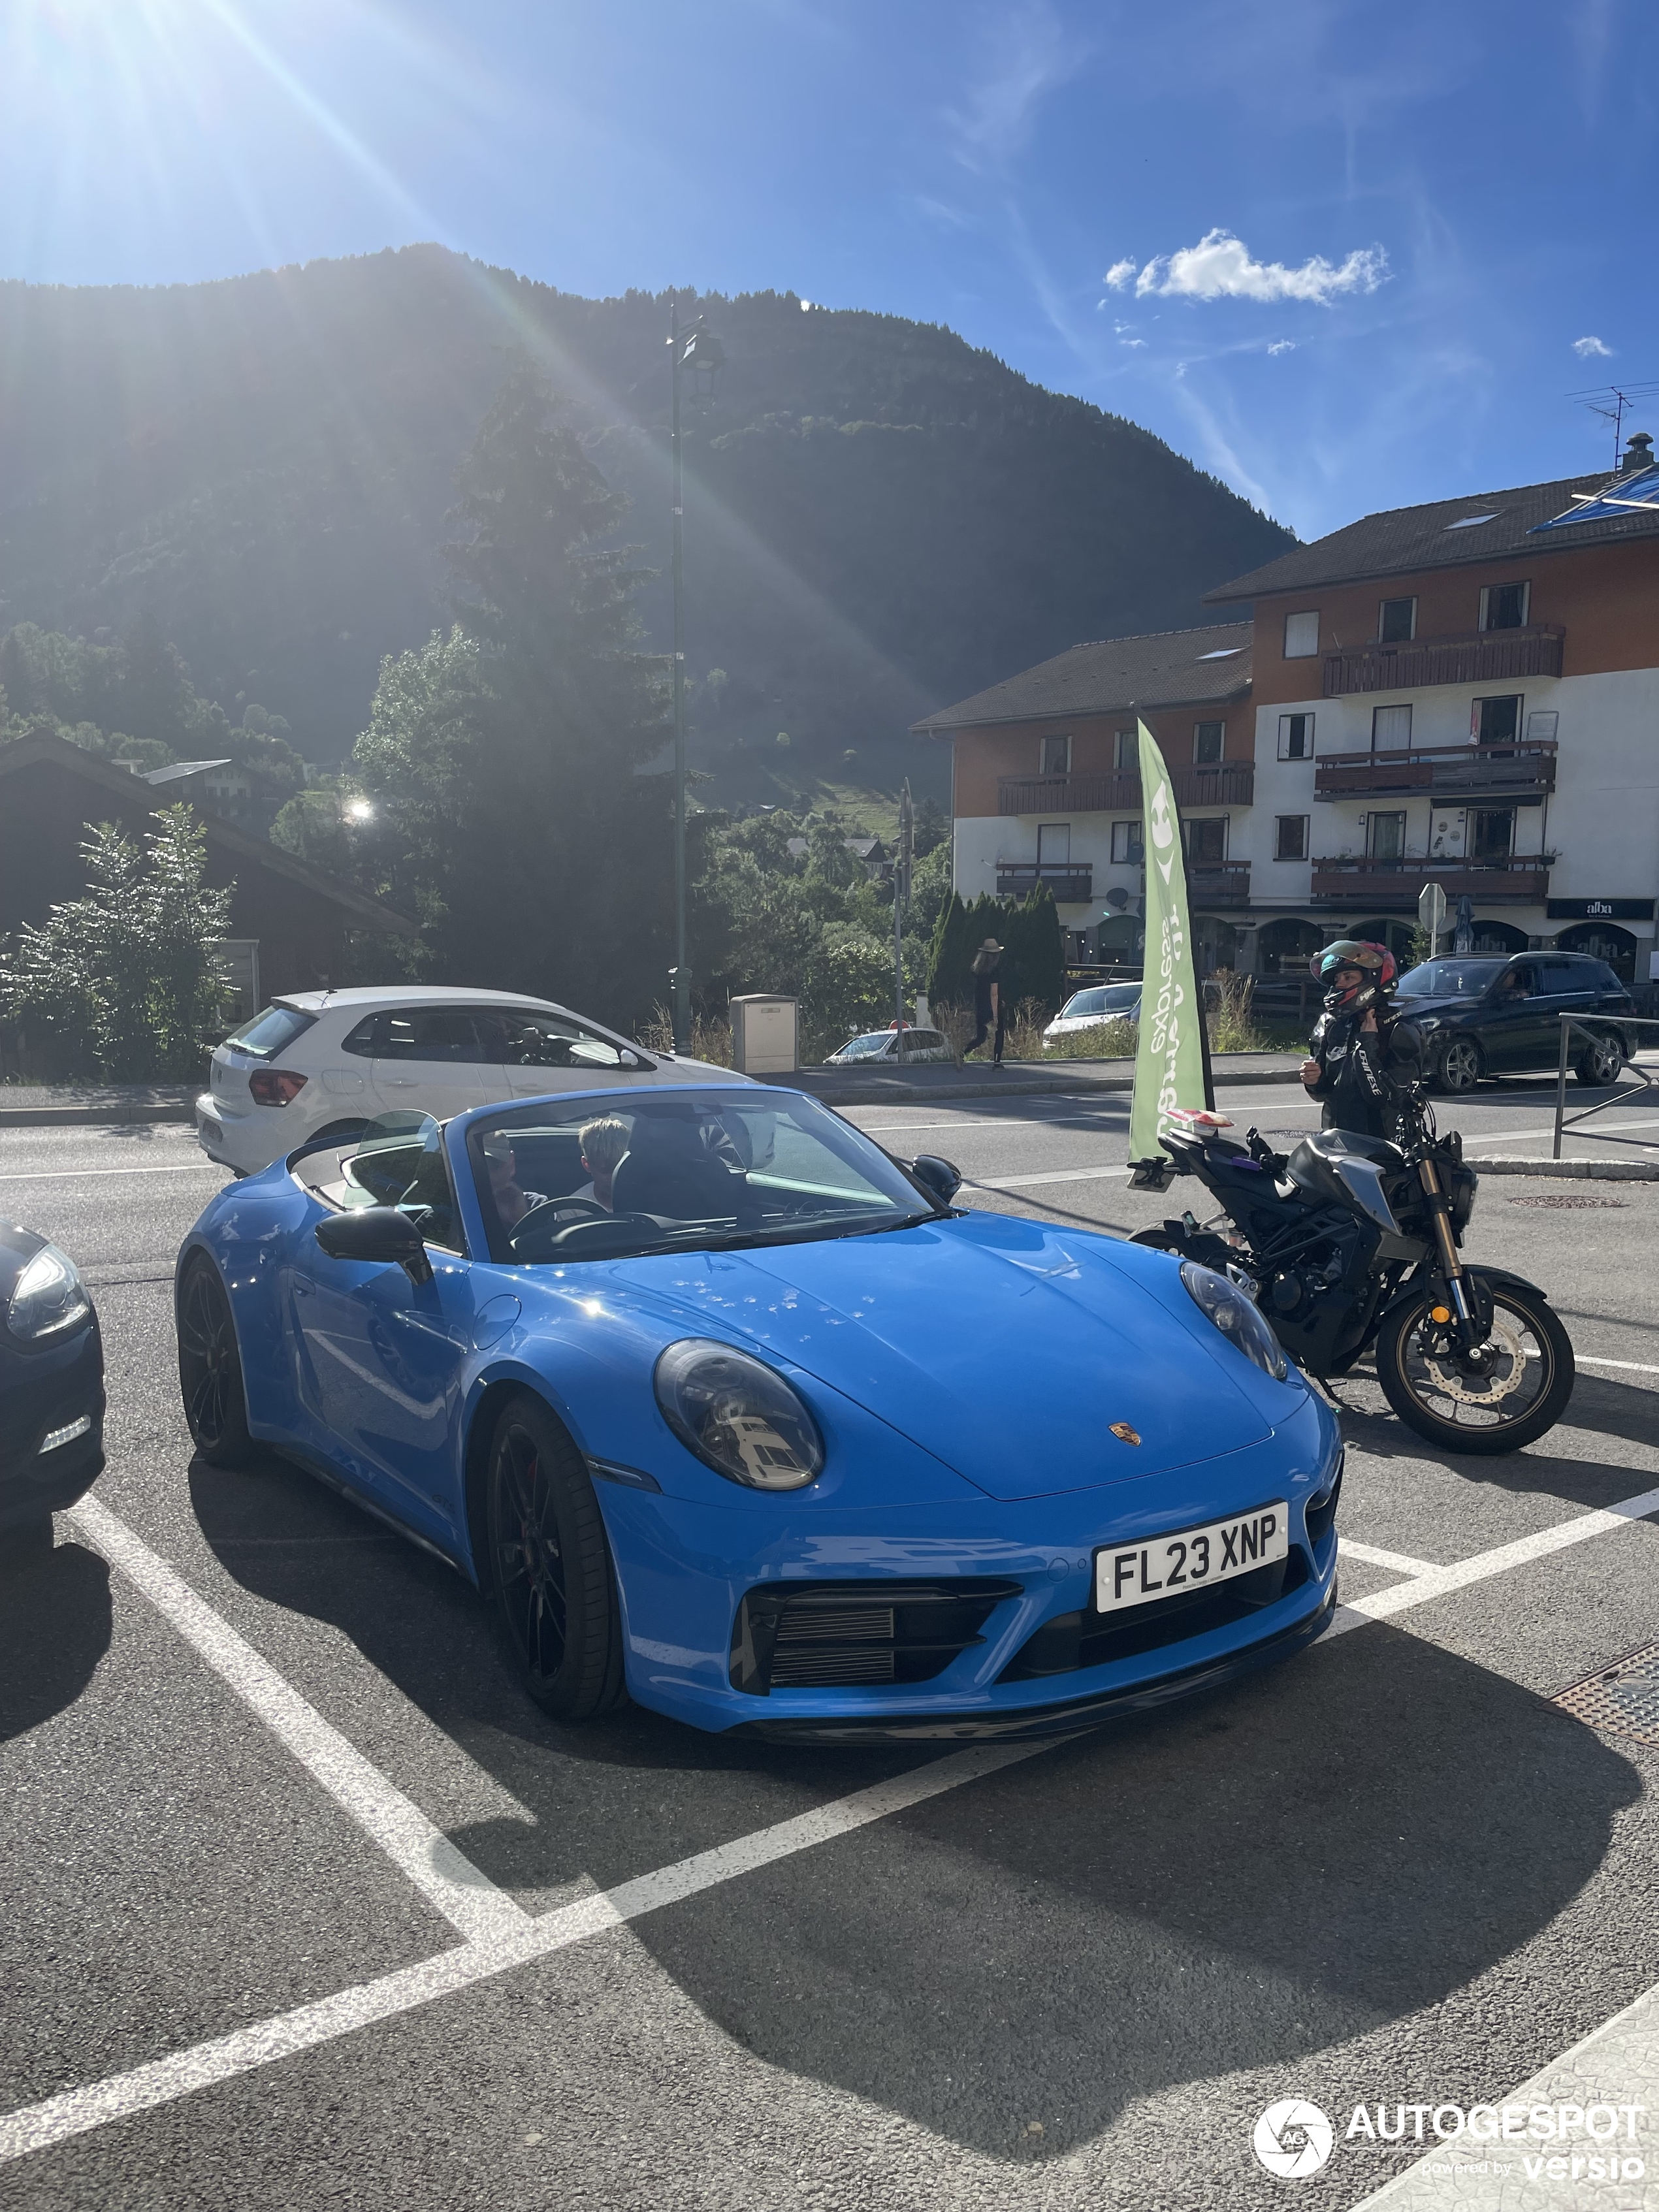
(1596, 1031)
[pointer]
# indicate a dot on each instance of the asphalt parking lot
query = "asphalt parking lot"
(305, 1903)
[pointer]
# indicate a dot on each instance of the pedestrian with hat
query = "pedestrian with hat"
(990, 1013)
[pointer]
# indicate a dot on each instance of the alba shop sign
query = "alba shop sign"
(1599, 909)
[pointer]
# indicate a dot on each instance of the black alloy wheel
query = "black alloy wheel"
(1507, 1392)
(210, 1368)
(1601, 1064)
(1462, 1066)
(550, 1566)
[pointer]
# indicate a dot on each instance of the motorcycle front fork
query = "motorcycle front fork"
(1451, 1265)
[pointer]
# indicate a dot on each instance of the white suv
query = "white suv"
(322, 1063)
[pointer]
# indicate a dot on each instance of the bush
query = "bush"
(1033, 964)
(127, 980)
(1230, 1026)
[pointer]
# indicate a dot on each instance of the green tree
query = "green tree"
(1033, 964)
(503, 759)
(126, 980)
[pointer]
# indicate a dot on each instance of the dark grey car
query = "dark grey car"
(1481, 1015)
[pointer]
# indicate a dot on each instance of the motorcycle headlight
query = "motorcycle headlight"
(738, 1416)
(1236, 1317)
(48, 1298)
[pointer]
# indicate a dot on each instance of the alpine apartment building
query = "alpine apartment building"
(1466, 692)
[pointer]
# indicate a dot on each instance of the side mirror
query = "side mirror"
(372, 1233)
(937, 1177)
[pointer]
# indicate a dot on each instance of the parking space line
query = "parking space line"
(162, 2080)
(465, 1896)
(1052, 1174)
(1634, 1366)
(1369, 1555)
(1438, 1582)
(86, 1175)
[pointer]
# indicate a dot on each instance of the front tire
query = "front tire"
(1507, 1397)
(1602, 1064)
(1462, 1066)
(210, 1368)
(551, 1566)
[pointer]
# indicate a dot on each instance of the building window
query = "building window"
(1494, 832)
(1291, 841)
(1127, 757)
(1396, 623)
(1302, 635)
(1053, 845)
(1385, 836)
(1207, 738)
(1541, 726)
(1495, 721)
(1391, 729)
(1206, 839)
(1054, 756)
(1127, 851)
(1296, 737)
(1503, 606)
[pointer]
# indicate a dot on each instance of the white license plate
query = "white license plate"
(1164, 1566)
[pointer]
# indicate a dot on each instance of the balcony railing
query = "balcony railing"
(1071, 883)
(1228, 783)
(1476, 656)
(1522, 880)
(1218, 883)
(1471, 770)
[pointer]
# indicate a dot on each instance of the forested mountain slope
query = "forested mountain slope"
(879, 518)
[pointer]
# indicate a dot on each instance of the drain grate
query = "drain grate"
(1563, 1202)
(1622, 1699)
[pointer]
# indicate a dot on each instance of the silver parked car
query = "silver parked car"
(895, 1046)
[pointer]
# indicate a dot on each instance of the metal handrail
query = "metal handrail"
(1596, 1028)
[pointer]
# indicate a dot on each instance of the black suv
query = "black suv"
(1481, 1015)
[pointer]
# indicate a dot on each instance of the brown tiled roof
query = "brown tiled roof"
(1410, 537)
(1170, 668)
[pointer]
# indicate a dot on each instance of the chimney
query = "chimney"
(1639, 454)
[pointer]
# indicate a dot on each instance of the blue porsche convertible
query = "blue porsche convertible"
(729, 1411)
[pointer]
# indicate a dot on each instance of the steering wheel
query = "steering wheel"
(545, 1230)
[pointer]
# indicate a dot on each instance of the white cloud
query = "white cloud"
(1119, 274)
(1592, 349)
(1282, 345)
(1132, 343)
(1219, 267)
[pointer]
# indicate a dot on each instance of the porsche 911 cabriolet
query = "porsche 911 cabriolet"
(729, 1411)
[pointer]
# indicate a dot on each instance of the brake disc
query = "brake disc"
(1504, 1338)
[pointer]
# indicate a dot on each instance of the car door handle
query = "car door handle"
(399, 1082)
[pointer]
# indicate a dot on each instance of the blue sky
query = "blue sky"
(1359, 254)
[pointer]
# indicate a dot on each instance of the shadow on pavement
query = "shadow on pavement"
(54, 1629)
(1597, 1407)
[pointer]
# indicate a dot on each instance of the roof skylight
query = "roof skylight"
(1468, 522)
(1226, 652)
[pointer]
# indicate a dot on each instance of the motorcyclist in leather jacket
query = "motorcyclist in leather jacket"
(1363, 1055)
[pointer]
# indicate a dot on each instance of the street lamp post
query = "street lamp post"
(699, 350)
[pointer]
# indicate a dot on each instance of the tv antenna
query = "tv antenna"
(1612, 401)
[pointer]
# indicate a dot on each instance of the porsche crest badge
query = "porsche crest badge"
(1125, 1434)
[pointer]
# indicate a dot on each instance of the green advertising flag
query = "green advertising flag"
(1169, 1057)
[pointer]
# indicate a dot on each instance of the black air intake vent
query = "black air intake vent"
(846, 1635)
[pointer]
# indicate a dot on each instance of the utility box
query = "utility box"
(765, 1034)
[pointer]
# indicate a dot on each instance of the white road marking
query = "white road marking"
(1634, 1366)
(85, 1175)
(1439, 1582)
(1619, 2060)
(1518, 1136)
(465, 1896)
(1368, 1556)
(77, 2111)
(1054, 1175)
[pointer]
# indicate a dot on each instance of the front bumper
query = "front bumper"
(1032, 1659)
(42, 1392)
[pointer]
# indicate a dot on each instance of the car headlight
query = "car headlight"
(49, 1298)
(738, 1416)
(1428, 1022)
(1236, 1317)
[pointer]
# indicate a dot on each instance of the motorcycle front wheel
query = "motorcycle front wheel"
(1514, 1388)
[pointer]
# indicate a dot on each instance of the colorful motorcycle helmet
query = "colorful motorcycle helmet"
(1374, 962)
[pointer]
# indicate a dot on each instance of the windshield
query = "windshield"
(272, 1031)
(608, 1178)
(865, 1048)
(1450, 979)
(1102, 999)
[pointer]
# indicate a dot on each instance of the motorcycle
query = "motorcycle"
(1350, 1242)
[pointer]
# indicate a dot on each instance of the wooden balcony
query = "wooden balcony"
(1217, 883)
(1522, 880)
(1475, 656)
(1469, 771)
(1071, 882)
(1228, 783)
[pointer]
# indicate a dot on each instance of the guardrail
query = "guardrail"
(1596, 1031)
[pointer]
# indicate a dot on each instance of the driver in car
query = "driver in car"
(512, 1204)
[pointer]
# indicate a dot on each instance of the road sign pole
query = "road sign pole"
(1431, 913)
